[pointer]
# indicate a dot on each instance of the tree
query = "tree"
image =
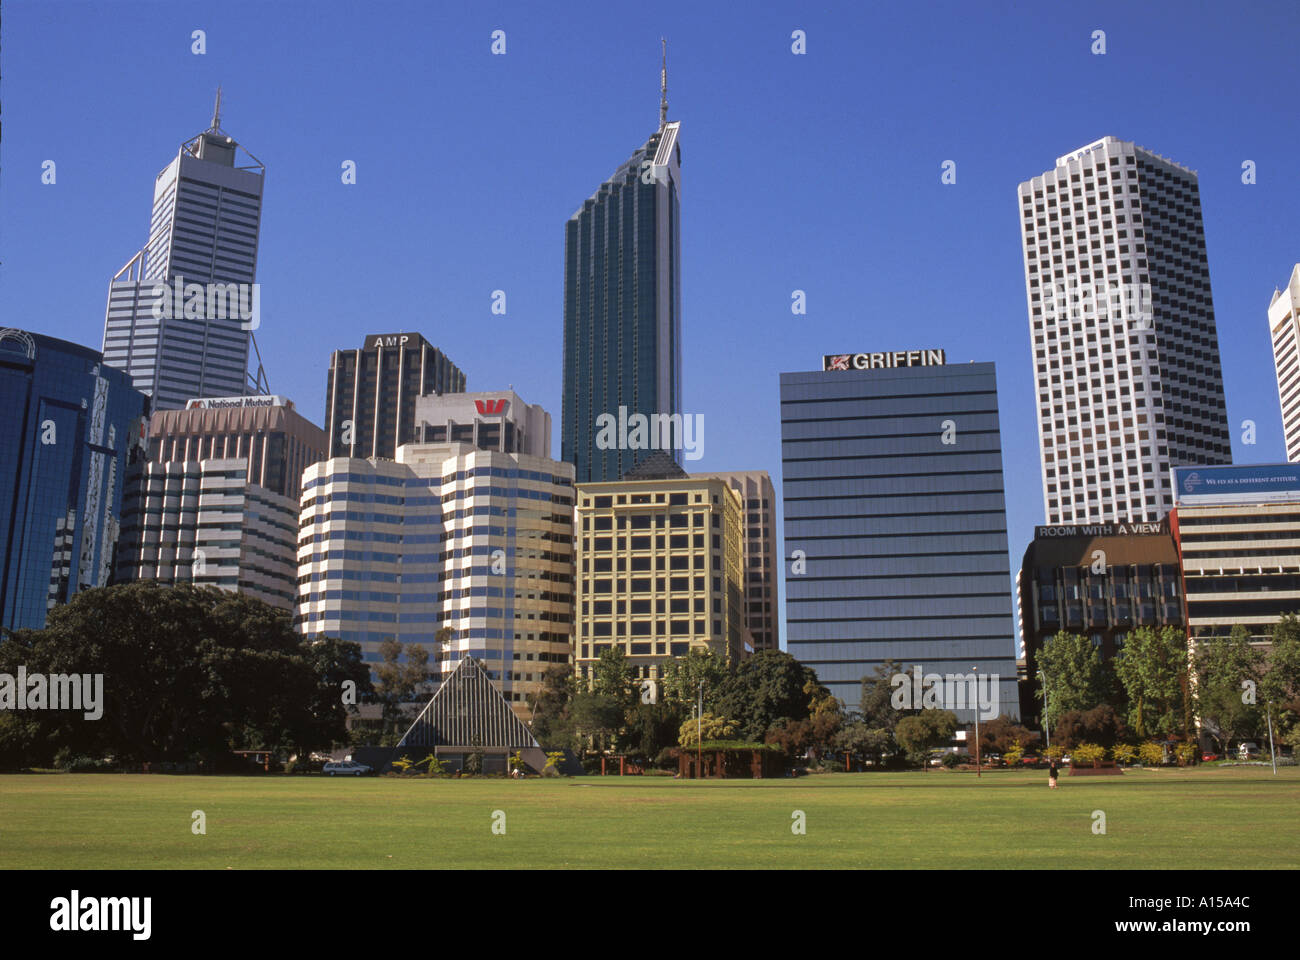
(765, 689)
(1154, 668)
(1222, 664)
(922, 732)
(399, 682)
(709, 726)
(1101, 725)
(1280, 685)
(188, 673)
(597, 719)
(682, 677)
(1077, 677)
(877, 711)
(612, 677)
(651, 727)
(551, 721)
(865, 743)
(999, 735)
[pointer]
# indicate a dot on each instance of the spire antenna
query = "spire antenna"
(663, 86)
(216, 111)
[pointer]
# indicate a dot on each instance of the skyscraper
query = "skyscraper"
(1126, 355)
(70, 430)
(181, 312)
(371, 393)
(1284, 325)
(895, 521)
(622, 304)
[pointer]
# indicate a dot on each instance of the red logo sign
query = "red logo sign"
(493, 407)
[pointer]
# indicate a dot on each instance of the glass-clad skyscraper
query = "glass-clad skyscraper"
(895, 521)
(622, 306)
(70, 427)
(182, 311)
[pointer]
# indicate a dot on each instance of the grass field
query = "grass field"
(1201, 818)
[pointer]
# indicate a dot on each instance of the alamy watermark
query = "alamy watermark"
(1074, 300)
(656, 431)
(949, 691)
(211, 301)
(57, 691)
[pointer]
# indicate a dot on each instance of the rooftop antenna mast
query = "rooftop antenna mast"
(216, 112)
(663, 86)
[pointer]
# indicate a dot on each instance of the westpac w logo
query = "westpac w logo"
(491, 406)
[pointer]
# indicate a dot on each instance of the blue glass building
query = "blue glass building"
(622, 307)
(895, 521)
(70, 426)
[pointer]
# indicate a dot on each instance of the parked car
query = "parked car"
(1031, 760)
(1210, 757)
(346, 768)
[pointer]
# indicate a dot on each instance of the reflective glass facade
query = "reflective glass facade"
(622, 306)
(71, 423)
(903, 536)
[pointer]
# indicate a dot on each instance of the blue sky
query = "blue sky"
(818, 172)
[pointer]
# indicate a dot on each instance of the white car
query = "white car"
(345, 768)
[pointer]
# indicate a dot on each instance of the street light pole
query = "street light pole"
(975, 670)
(1272, 752)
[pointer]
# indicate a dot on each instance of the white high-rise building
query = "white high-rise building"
(182, 311)
(1284, 324)
(1126, 354)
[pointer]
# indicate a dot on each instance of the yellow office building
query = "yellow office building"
(659, 570)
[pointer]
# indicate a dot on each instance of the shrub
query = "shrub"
(474, 763)
(1186, 753)
(1013, 754)
(1124, 753)
(1054, 752)
(1086, 754)
(1151, 754)
(951, 760)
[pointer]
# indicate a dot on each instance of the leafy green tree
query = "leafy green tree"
(682, 676)
(708, 726)
(922, 732)
(189, 673)
(765, 689)
(1077, 677)
(877, 712)
(597, 719)
(612, 677)
(1222, 664)
(1154, 668)
(399, 683)
(1280, 685)
(551, 719)
(650, 727)
(863, 742)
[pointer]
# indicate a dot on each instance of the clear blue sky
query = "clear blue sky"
(818, 172)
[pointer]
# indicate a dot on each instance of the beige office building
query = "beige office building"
(658, 568)
(759, 558)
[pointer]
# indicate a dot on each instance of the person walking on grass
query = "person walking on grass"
(1052, 771)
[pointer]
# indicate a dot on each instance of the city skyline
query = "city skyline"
(733, 373)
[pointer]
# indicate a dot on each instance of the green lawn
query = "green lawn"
(1200, 818)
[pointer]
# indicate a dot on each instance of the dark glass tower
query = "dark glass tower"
(895, 523)
(622, 305)
(371, 393)
(72, 425)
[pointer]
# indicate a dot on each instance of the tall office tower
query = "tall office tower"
(895, 521)
(216, 503)
(759, 557)
(1126, 356)
(370, 393)
(1284, 324)
(182, 311)
(658, 568)
(623, 304)
(495, 420)
(72, 426)
(477, 541)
